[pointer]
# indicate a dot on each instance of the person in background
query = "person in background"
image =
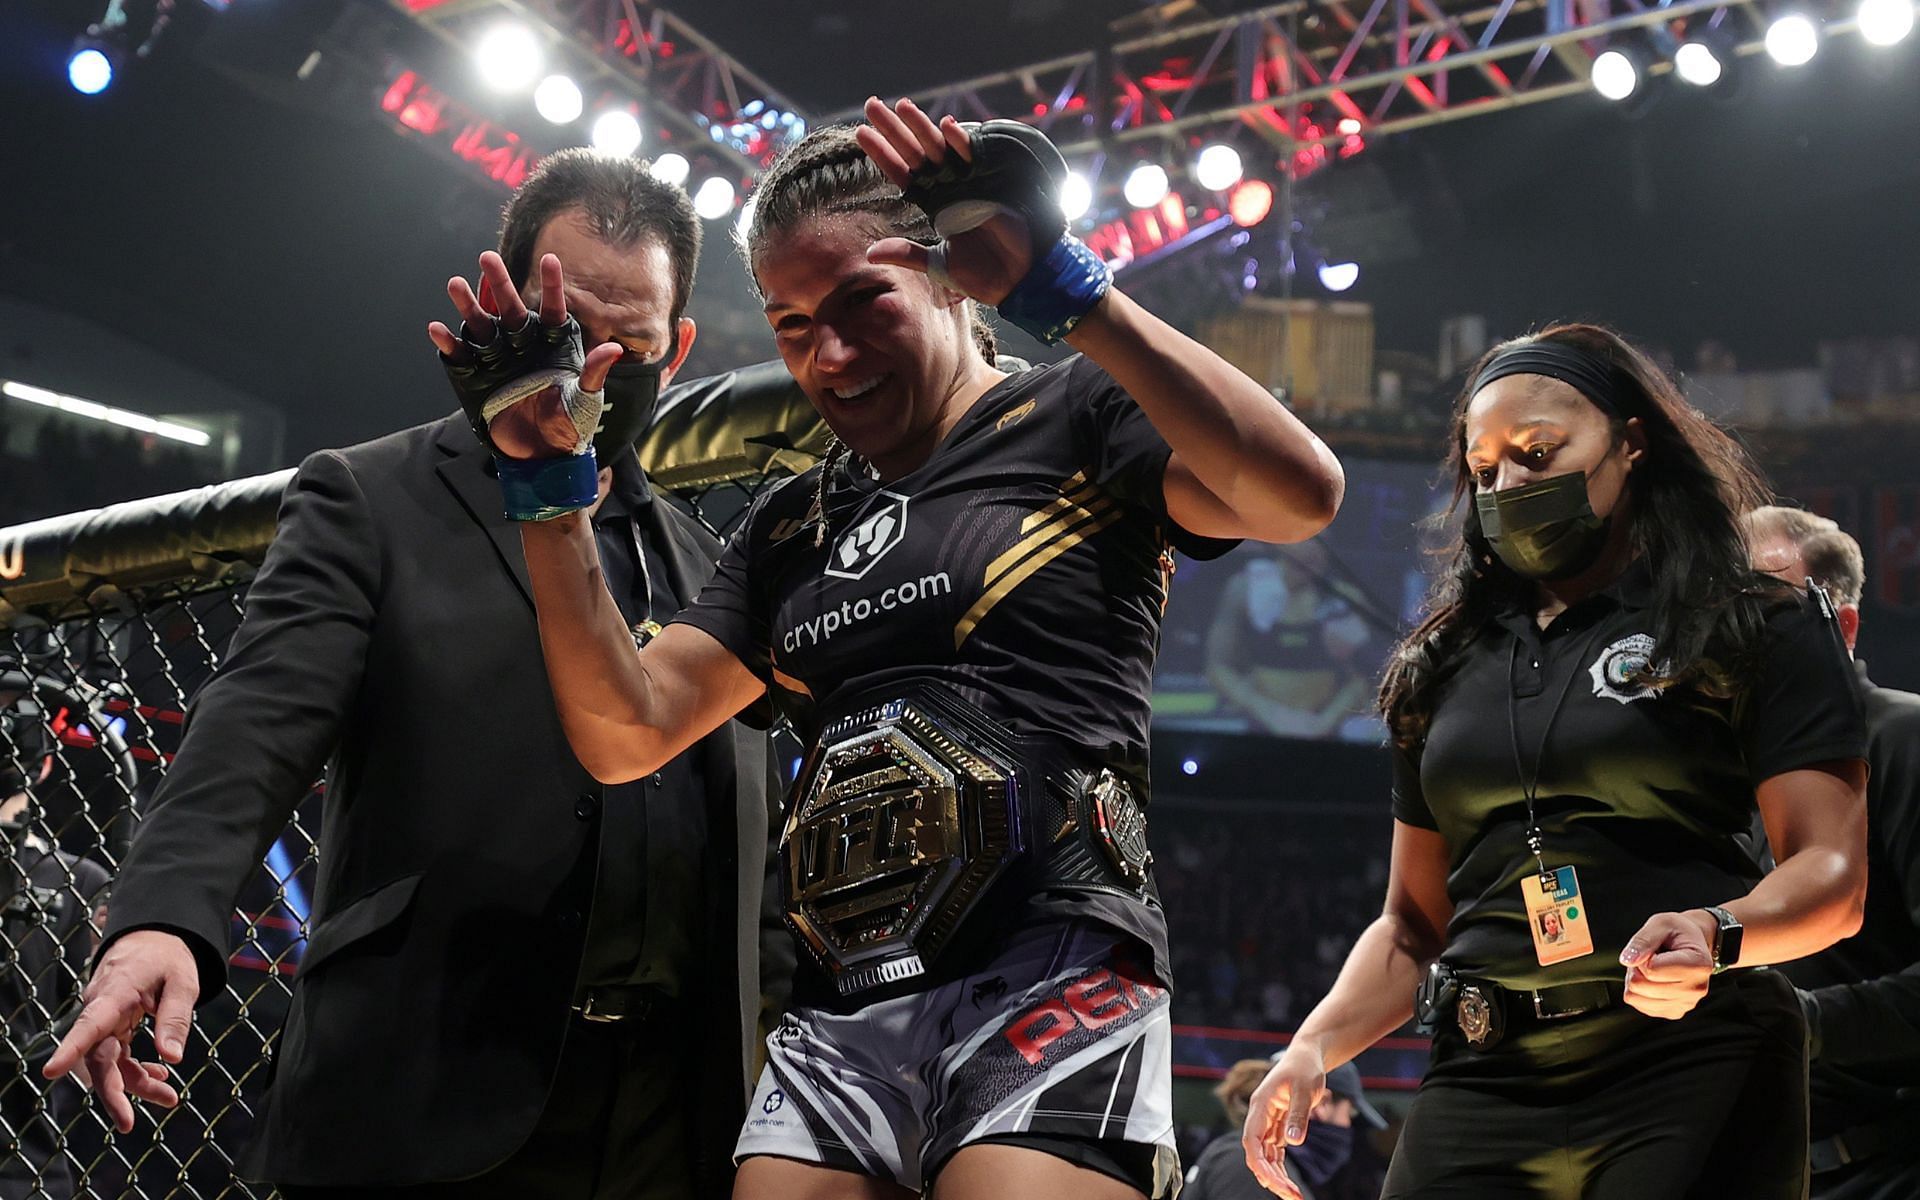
(1285, 646)
(51, 908)
(1602, 696)
(1317, 1166)
(1862, 995)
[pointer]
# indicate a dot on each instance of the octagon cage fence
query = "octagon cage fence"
(113, 619)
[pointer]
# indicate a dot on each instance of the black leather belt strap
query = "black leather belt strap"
(609, 1004)
(1568, 1000)
(1869, 1140)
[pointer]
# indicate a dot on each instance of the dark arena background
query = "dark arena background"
(225, 224)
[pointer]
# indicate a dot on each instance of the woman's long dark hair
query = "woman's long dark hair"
(1685, 496)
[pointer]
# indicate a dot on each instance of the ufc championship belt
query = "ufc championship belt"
(909, 812)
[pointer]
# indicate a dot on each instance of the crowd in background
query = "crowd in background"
(1258, 952)
(67, 466)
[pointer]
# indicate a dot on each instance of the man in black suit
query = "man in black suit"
(1862, 994)
(518, 982)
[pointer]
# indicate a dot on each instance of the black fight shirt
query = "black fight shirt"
(1023, 566)
(1648, 794)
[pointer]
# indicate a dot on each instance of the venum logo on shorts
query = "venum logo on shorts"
(867, 542)
(1615, 673)
(1091, 1002)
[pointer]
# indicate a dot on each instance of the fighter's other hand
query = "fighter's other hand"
(148, 972)
(1277, 1115)
(985, 256)
(528, 386)
(1670, 963)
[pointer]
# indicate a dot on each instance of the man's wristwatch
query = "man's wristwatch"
(1727, 935)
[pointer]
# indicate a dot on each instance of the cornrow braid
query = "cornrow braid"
(837, 453)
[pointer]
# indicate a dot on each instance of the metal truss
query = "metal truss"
(1315, 78)
(687, 83)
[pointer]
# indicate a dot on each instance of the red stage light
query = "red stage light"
(1249, 202)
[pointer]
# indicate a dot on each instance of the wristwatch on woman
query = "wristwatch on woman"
(1727, 934)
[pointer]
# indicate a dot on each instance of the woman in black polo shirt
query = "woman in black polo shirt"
(1584, 723)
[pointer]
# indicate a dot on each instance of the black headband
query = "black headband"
(1608, 385)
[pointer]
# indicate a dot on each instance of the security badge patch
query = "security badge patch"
(1616, 673)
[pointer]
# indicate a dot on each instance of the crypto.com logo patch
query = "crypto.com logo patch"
(869, 541)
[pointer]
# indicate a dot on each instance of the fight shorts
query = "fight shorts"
(1063, 1040)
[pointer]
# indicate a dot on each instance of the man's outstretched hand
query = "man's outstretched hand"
(146, 973)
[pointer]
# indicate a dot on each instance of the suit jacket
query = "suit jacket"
(390, 636)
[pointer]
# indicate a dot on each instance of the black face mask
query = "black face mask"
(632, 390)
(1326, 1150)
(1543, 530)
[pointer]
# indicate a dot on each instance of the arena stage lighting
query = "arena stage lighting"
(1793, 39)
(1616, 75)
(1076, 195)
(671, 168)
(616, 133)
(509, 57)
(558, 99)
(1146, 185)
(1217, 167)
(1885, 22)
(714, 198)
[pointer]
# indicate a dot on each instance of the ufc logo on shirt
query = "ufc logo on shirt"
(869, 540)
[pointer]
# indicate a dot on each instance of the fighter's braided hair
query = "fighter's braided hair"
(826, 174)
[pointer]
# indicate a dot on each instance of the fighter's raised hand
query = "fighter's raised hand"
(526, 382)
(529, 387)
(992, 192)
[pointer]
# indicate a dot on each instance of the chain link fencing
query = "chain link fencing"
(110, 622)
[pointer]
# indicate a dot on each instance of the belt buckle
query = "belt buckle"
(588, 1012)
(1474, 1013)
(1540, 1014)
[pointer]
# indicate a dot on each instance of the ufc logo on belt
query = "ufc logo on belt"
(1095, 999)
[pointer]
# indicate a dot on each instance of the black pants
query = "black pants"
(1616, 1105)
(612, 1128)
(1894, 1176)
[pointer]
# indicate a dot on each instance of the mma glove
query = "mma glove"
(1015, 171)
(492, 376)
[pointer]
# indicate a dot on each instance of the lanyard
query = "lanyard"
(1530, 782)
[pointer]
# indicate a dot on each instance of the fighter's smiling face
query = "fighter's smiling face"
(879, 350)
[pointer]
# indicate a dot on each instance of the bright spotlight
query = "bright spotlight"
(1189, 766)
(1614, 75)
(714, 198)
(558, 99)
(1146, 185)
(1250, 202)
(1076, 195)
(1218, 167)
(1349, 126)
(1338, 277)
(509, 57)
(1884, 22)
(671, 168)
(1793, 40)
(90, 71)
(616, 133)
(1696, 63)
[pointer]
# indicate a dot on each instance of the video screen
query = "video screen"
(1290, 640)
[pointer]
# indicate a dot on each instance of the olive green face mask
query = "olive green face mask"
(1543, 530)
